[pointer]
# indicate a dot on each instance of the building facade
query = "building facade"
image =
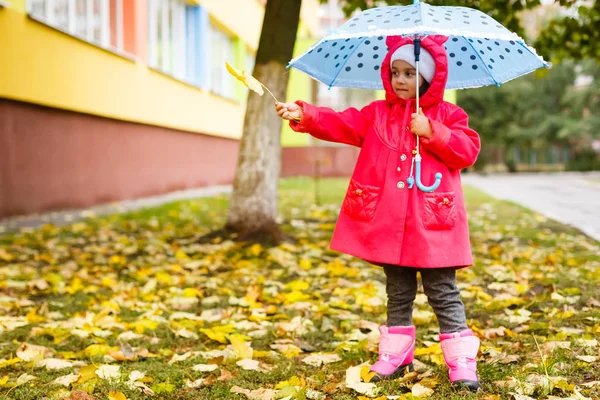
(104, 100)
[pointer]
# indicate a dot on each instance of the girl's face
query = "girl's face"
(404, 80)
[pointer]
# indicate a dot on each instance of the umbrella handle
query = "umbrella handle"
(436, 184)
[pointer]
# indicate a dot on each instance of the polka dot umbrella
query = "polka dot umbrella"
(481, 51)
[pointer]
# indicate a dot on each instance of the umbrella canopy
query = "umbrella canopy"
(480, 51)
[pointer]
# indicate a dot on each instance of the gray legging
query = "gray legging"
(441, 291)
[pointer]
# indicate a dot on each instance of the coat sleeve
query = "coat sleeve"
(349, 126)
(453, 141)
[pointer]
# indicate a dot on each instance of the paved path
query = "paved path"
(571, 198)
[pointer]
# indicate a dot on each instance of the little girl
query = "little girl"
(402, 229)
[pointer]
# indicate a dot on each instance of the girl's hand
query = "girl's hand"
(420, 125)
(289, 111)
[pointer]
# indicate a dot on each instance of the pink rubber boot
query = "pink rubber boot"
(396, 352)
(460, 353)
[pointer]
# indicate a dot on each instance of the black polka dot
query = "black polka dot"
(326, 55)
(346, 56)
(474, 67)
(348, 69)
(489, 48)
(367, 42)
(370, 20)
(482, 52)
(380, 38)
(336, 56)
(512, 42)
(501, 57)
(473, 57)
(471, 40)
(417, 21)
(320, 49)
(452, 55)
(507, 50)
(342, 48)
(376, 67)
(492, 60)
(436, 21)
(360, 65)
(376, 56)
(479, 41)
(455, 39)
(459, 63)
(375, 48)
(490, 67)
(337, 65)
(520, 51)
(386, 22)
(352, 25)
(497, 44)
(334, 44)
(351, 47)
(464, 48)
(406, 19)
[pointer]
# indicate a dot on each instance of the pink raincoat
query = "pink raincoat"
(382, 220)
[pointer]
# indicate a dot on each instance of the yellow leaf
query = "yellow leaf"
(33, 317)
(4, 380)
(116, 396)
(256, 249)
(191, 292)
(87, 373)
(164, 277)
(366, 374)
(253, 83)
(235, 72)
(181, 256)
(108, 282)
(141, 325)
(10, 362)
(297, 285)
(295, 297)
(241, 348)
(218, 333)
(99, 350)
(4, 255)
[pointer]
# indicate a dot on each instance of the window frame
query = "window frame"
(71, 29)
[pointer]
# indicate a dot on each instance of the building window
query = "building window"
(167, 36)
(222, 49)
(96, 21)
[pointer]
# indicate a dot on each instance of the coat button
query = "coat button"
(407, 128)
(398, 169)
(400, 185)
(403, 157)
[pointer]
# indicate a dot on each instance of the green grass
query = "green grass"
(523, 262)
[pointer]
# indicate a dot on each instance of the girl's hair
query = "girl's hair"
(423, 88)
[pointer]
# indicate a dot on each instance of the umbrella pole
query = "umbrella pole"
(417, 155)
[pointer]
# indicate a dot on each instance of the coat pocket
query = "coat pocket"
(439, 211)
(361, 201)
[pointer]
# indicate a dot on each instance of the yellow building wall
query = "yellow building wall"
(43, 66)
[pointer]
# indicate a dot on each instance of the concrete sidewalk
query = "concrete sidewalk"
(68, 216)
(571, 198)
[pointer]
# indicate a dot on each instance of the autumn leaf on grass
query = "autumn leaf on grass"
(353, 381)
(258, 394)
(108, 372)
(116, 396)
(318, 359)
(241, 348)
(66, 380)
(54, 363)
(218, 333)
(366, 374)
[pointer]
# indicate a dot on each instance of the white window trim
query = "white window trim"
(104, 43)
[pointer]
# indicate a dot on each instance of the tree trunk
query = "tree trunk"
(253, 207)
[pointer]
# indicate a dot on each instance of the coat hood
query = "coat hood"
(435, 45)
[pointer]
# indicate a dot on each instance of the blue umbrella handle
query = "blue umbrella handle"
(436, 184)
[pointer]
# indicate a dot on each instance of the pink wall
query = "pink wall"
(53, 159)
